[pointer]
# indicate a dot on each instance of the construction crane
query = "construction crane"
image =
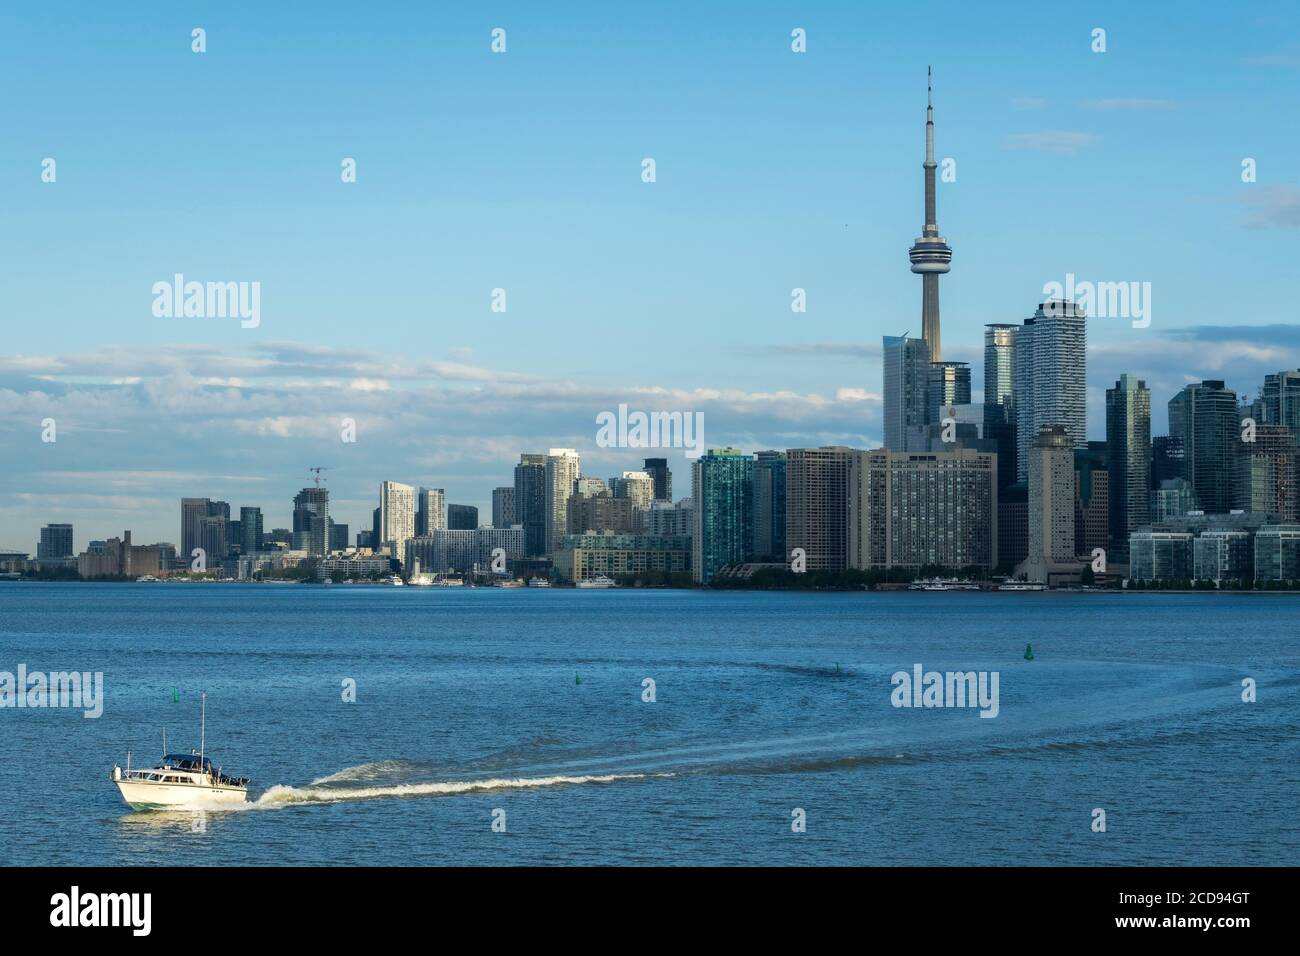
(318, 479)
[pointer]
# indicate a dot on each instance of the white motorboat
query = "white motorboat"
(599, 581)
(180, 781)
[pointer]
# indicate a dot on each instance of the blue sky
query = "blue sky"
(521, 171)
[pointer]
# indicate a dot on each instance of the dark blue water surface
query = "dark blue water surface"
(530, 702)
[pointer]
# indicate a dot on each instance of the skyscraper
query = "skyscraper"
(530, 502)
(396, 516)
(562, 468)
(1051, 502)
(250, 530)
(999, 388)
(193, 511)
(769, 506)
(1280, 398)
(311, 511)
(462, 517)
(907, 384)
(1050, 377)
(911, 509)
(930, 254)
(817, 505)
(430, 510)
(948, 384)
(503, 506)
(639, 486)
(657, 468)
(722, 486)
(1092, 497)
(1128, 454)
(1265, 479)
(1204, 414)
(56, 542)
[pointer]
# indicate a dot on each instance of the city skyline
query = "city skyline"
(445, 392)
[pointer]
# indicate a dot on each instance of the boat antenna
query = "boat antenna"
(203, 716)
(164, 741)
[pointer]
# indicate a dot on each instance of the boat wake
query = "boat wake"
(321, 792)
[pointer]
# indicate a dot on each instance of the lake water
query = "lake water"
(530, 702)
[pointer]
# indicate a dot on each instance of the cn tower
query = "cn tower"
(930, 255)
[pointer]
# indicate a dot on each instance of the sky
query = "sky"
(522, 171)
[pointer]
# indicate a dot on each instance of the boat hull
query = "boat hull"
(145, 795)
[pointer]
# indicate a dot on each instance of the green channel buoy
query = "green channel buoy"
(1029, 652)
(176, 696)
(577, 679)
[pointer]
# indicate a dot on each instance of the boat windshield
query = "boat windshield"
(187, 762)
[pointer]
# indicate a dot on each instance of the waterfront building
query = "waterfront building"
(56, 543)
(912, 509)
(999, 398)
(1156, 555)
(1128, 453)
(563, 466)
(817, 508)
(396, 516)
(503, 507)
(724, 510)
(462, 517)
(1092, 501)
(1204, 415)
(906, 397)
(657, 469)
(1266, 477)
(1277, 553)
(1050, 377)
(530, 501)
(769, 506)
(431, 510)
(584, 556)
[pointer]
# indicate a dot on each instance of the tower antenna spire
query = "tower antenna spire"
(930, 254)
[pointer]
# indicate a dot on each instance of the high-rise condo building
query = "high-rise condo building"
(193, 511)
(1204, 415)
(430, 510)
(1050, 377)
(913, 509)
(1128, 454)
(817, 510)
(722, 486)
(637, 486)
(930, 254)
(530, 502)
(1280, 400)
(769, 506)
(311, 511)
(55, 543)
(1092, 497)
(462, 517)
(1051, 504)
(503, 507)
(250, 530)
(999, 395)
(396, 517)
(1266, 475)
(657, 469)
(907, 391)
(948, 385)
(563, 466)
